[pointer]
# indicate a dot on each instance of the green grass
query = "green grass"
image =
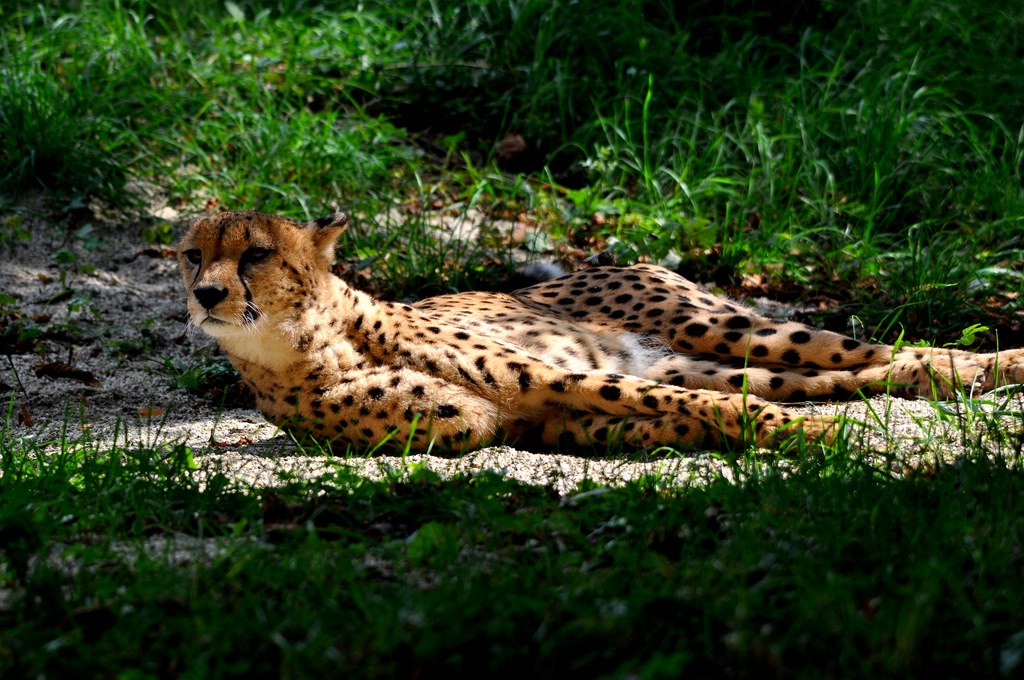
(832, 569)
(864, 155)
(870, 151)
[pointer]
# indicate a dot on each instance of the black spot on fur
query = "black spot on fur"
(737, 322)
(447, 411)
(800, 337)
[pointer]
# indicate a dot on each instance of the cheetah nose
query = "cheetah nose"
(209, 296)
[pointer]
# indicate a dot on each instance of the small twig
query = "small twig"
(17, 378)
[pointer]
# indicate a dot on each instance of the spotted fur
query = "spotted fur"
(634, 355)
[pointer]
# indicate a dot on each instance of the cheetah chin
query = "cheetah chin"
(606, 356)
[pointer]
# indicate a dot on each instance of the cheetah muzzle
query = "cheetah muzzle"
(637, 356)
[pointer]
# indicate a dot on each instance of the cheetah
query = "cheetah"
(631, 356)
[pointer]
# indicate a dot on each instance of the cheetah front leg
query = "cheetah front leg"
(601, 408)
(1003, 368)
(570, 431)
(982, 371)
(396, 408)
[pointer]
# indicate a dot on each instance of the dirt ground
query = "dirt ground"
(112, 308)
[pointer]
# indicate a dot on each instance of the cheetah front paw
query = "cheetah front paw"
(1005, 368)
(934, 376)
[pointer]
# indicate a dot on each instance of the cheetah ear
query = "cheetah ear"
(337, 220)
(325, 232)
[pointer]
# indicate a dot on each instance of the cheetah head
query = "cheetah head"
(242, 270)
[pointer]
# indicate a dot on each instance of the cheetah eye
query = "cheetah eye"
(194, 255)
(255, 254)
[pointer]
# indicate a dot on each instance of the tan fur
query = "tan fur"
(636, 355)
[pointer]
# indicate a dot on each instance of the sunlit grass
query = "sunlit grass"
(795, 155)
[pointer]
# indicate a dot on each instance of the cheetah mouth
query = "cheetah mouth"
(210, 320)
(249, 317)
(206, 318)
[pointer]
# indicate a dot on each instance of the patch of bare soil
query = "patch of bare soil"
(94, 333)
